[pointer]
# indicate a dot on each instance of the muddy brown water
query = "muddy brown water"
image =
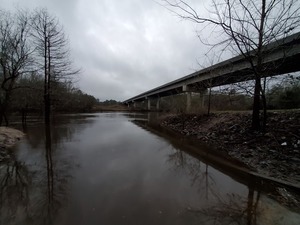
(107, 169)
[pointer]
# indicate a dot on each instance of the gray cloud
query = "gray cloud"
(123, 47)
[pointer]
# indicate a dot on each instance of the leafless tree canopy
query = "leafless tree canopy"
(15, 54)
(246, 24)
(53, 53)
(51, 44)
(245, 27)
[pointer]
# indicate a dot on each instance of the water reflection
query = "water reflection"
(219, 209)
(223, 207)
(105, 169)
(35, 182)
(14, 193)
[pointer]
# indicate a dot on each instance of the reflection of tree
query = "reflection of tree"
(50, 180)
(63, 129)
(197, 170)
(14, 196)
(34, 191)
(52, 188)
(235, 209)
(229, 209)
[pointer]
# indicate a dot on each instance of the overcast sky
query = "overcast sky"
(124, 47)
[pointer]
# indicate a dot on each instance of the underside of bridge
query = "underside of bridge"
(285, 58)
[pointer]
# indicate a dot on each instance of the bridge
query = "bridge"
(283, 56)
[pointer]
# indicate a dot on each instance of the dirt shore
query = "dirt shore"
(274, 153)
(8, 138)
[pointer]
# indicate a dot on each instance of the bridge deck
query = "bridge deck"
(283, 56)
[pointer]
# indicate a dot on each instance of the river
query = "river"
(109, 168)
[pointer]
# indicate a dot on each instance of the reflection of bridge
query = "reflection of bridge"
(282, 55)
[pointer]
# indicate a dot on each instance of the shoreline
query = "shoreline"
(8, 138)
(274, 154)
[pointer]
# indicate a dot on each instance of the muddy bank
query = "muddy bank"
(8, 138)
(274, 153)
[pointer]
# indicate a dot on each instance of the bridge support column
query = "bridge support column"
(149, 104)
(202, 96)
(188, 101)
(157, 103)
(186, 89)
(134, 105)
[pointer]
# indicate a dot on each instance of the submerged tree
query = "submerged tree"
(245, 27)
(53, 51)
(15, 55)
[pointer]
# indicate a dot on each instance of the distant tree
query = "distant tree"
(29, 96)
(15, 55)
(53, 53)
(285, 95)
(245, 27)
(70, 99)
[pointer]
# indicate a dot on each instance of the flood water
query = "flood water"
(108, 169)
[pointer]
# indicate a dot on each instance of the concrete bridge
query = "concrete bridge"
(283, 56)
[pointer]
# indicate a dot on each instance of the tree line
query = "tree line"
(284, 94)
(36, 72)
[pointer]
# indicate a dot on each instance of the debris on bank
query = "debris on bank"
(274, 153)
(8, 138)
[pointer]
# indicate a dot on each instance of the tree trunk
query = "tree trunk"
(47, 109)
(1, 115)
(209, 99)
(256, 105)
(3, 108)
(264, 103)
(46, 84)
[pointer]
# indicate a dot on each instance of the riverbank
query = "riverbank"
(8, 138)
(275, 153)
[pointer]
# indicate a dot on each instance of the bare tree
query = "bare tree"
(53, 51)
(245, 27)
(15, 55)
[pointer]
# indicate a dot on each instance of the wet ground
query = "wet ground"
(274, 153)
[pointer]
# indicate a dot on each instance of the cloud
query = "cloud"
(123, 47)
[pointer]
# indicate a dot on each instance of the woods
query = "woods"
(36, 72)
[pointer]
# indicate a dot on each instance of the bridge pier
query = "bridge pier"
(158, 103)
(202, 95)
(188, 101)
(188, 93)
(148, 104)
